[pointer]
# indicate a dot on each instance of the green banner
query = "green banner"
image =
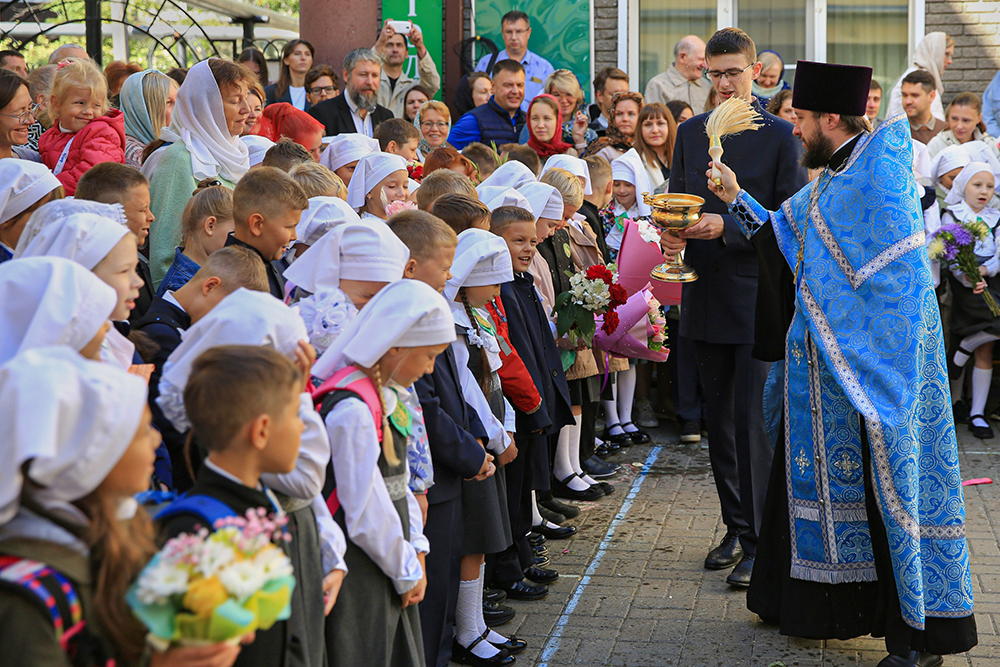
(428, 15)
(560, 31)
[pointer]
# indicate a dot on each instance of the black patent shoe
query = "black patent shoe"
(599, 469)
(540, 576)
(960, 410)
(559, 507)
(561, 489)
(540, 561)
(556, 533)
(638, 437)
(535, 538)
(465, 656)
(523, 590)
(495, 614)
(740, 576)
(606, 449)
(981, 432)
(513, 645)
(494, 595)
(622, 439)
(727, 553)
(913, 659)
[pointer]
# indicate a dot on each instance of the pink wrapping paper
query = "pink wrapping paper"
(634, 329)
(636, 259)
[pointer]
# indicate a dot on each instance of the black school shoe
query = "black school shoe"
(599, 469)
(494, 595)
(550, 516)
(540, 576)
(554, 505)
(981, 432)
(464, 655)
(536, 539)
(607, 449)
(561, 489)
(513, 645)
(621, 440)
(556, 533)
(524, 590)
(495, 613)
(913, 659)
(638, 437)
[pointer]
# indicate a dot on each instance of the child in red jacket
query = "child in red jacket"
(83, 133)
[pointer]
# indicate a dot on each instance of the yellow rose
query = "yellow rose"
(204, 595)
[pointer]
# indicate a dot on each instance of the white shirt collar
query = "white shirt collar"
(214, 467)
(170, 298)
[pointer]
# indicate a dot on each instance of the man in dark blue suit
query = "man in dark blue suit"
(738, 311)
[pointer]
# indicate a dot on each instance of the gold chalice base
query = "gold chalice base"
(672, 213)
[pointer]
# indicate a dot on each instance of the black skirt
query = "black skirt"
(814, 610)
(969, 312)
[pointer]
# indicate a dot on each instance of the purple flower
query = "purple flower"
(950, 252)
(963, 237)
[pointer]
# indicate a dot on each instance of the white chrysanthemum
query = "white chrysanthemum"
(160, 582)
(214, 556)
(648, 232)
(242, 579)
(274, 563)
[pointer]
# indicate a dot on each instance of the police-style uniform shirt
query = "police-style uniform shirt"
(536, 70)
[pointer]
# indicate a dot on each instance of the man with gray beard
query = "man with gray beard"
(356, 111)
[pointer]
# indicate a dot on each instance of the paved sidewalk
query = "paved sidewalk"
(633, 590)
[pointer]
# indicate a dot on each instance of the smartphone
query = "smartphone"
(402, 27)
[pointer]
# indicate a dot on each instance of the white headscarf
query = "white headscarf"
(245, 317)
(355, 251)
(257, 147)
(929, 56)
(22, 184)
(496, 196)
(573, 165)
(199, 123)
(50, 301)
(629, 168)
(407, 313)
(72, 418)
(83, 237)
(323, 214)
(957, 193)
(921, 165)
(980, 152)
(511, 174)
(481, 258)
(545, 200)
(346, 148)
(371, 170)
(60, 209)
(952, 157)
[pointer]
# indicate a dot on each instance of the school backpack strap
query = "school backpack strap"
(209, 509)
(348, 380)
(55, 596)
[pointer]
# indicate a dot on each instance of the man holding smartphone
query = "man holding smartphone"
(395, 83)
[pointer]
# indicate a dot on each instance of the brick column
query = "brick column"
(975, 27)
(337, 27)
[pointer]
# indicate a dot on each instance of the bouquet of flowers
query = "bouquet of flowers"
(392, 208)
(954, 245)
(592, 291)
(659, 323)
(216, 587)
(415, 170)
(639, 253)
(635, 333)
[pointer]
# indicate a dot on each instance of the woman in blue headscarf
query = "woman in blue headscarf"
(147, 100)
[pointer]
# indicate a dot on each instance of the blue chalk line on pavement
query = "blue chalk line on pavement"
(553, 644)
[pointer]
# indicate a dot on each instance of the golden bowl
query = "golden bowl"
(673, 212)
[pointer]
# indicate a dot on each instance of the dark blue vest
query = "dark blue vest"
(496, 125)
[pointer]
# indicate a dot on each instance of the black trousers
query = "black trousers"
(688, 398)
(508, 566)
(444, 569)
(737, 440)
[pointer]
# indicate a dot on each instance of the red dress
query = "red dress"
(102, 140)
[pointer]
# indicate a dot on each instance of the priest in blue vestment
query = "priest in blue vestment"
(865, 518)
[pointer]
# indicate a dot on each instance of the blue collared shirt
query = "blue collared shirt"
(536, 70)
(180, 272)
(991, 107)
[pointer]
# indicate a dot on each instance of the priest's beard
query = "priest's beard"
(362, 99)
(818, 151)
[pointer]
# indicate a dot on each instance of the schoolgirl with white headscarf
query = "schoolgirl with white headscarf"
(345, 150)
(202, 145)
(323, 214)
(67, 504)
(574, 165)
(629, 168)
(391, 343)
(511, 174)
(366, 192)
(23, 184)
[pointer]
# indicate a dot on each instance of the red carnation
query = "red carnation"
(610, 322)
(599, 272)
(415, 171)
(618, 295)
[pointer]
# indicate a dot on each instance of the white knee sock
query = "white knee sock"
(536, 516)
(563, 465)
(611, 420)
(574, 451)
(467, 615)
(492, 637)
(970, 343)
(626, 393)
(981, 379)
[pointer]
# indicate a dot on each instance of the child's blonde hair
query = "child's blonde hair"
(424, 234)
(208, 200)
(568, 185)
(77, 73)
(318, 181)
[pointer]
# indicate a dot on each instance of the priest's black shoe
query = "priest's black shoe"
(727, 553)
(599, 469)
(494, 595)
(513, 645)
(535, 538)
(561, 489)
(465, 656)
(914, 659)
(522, 590)
(740, 576)
(559, 507)
(555, 532)
(495, 613)
(540, 576)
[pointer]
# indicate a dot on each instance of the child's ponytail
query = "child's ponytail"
(388, 444)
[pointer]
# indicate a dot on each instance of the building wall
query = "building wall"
(975, 27)
(605, 34)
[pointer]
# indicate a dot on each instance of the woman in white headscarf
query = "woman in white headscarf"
(67, 515)
(24, 187)
(392, 342)
(204, 142)
(934, 55)
(378, 180)
(147, 101)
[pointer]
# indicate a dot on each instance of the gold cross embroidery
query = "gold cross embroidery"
(796, 352)
(846, 464)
